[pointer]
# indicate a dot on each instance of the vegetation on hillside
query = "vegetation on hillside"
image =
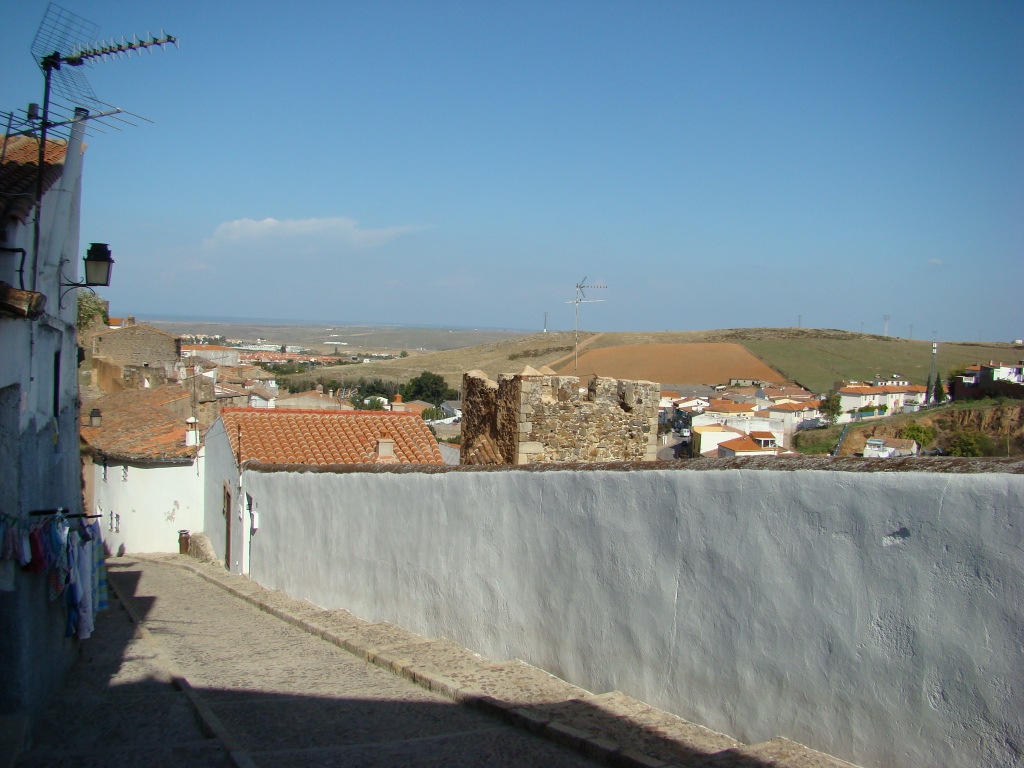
(974, 428)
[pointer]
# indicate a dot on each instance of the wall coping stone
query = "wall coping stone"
(929, 464)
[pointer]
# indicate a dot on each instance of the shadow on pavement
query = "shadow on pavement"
(120, 706)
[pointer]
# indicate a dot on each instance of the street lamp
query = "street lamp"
(98, 266)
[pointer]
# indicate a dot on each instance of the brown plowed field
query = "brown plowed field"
(674, 364)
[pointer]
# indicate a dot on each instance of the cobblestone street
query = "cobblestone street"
(193, 666)
(210, 680)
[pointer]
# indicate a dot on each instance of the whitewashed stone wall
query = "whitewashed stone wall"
(874, 616)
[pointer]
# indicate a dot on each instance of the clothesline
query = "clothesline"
(59, 511)
(70, 558)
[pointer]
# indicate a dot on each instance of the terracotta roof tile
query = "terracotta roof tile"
(482, 451)
(740, 444)
(728, 406)
(19, 173)
(140, 425)
(300, 436)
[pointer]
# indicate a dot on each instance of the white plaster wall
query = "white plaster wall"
(221, 471)
(877, 617)
(153, 504)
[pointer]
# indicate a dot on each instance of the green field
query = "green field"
(819, 362)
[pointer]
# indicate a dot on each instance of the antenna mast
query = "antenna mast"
(60, 28)
(581, 298)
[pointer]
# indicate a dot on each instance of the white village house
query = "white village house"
(142, 467)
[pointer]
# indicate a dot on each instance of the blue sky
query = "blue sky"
(716, 164)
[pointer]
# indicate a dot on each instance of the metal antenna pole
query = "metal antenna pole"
(581, 298)
(58, 29)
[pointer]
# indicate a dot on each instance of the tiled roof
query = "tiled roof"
(19, 173)
(728, 406)
(482, 451)
(135, 329)
(741, 444)
(140, 425)
(885, 389)
(321, 438)
(762, 435)
(810, 405)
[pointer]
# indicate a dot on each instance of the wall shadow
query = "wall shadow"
(119, 706)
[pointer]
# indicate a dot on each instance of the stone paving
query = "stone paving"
(203, 668)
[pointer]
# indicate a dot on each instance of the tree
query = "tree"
(965, 444)
(432, 414)
(403, 354)
(939, 395)
(430, 387)
(830, 407)
(921, 434)
(90, 306)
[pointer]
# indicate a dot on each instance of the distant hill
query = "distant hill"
(814, 357)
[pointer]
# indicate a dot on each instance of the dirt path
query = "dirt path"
(586, 342)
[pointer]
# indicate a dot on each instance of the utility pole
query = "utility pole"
(885, 319)
(545, 322)
(933, 375)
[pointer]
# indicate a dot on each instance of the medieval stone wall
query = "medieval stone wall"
(541, 418)
(138, 345)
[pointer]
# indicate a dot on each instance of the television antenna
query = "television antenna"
(60, 48)
(581, 298)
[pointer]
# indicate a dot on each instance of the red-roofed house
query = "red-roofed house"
(880, 399)
(795, 415)
(141, 467)
(746, 446)
(296, 441)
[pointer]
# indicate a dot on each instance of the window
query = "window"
(124, 473)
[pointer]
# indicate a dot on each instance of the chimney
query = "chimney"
(330, 393)
(385, 449)
(129, 320)
(95, 417)
(192, 431)
(319, 389)
(397, 404)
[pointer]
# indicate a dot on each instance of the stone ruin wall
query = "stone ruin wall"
(532, 419)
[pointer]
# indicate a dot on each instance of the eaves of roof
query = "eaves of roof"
(19, 173)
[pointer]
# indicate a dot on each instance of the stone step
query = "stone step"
(776, 753)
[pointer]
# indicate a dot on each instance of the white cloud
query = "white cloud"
(936, 262)
(334, 231)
